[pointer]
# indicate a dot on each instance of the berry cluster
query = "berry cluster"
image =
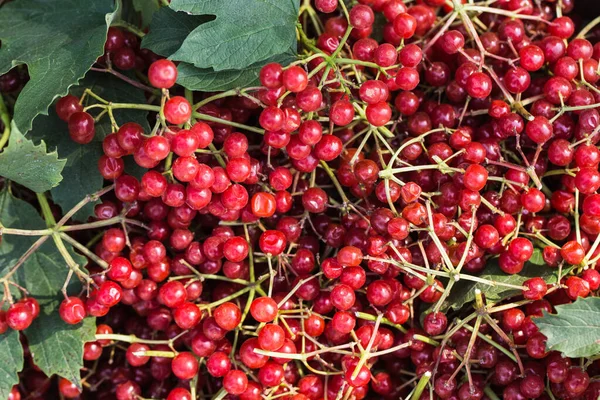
(335, 208)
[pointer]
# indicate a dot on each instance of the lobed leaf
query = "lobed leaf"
(29, 164)
(463, 291)
(575, 328)
(58, 40)
(56, 347)
(169, 29)
(11, 361)
(243, 33)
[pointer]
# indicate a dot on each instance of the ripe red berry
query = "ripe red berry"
(72, 310)
(162, 74)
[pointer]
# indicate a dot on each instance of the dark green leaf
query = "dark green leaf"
(205, 79)
(56, 347)
(59, 40)
(575, 328)
(81, 176)
(244, 32)
(15, 213)
(463, 291)
(146, 8)
(169, 29)
(30, 165)
(11, 361)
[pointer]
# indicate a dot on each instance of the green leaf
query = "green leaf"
(56, 347)
(59, 40)
(169, 29)
(81, 176)
(575, 328)
(244, 32)
(146, 8)
(11, 361)
(205, 79)
(463, 292)
(30, 165)
(16, 213)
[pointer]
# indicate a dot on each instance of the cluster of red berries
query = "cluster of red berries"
(334, 208)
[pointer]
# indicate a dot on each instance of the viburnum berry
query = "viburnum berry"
(67, 106)
(81, 127)
(19, 316)
(177, 110)
(162, 74)
(184, 365)
(72, 310)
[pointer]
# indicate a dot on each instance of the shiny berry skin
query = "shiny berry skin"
(133, 355)
(520, 249)
(271, 76)
(187, 315)
(184, 365)
(539, 129)
(475, 177)
(109, 294)
(272, 118)
(378, 114)
(533, 200)
(72, 310)
(67, 389)
(295, 79)
(67, 106)
(228, 316)
(479, 85)
(405, 25)
(162, 74)
(572, 252)
(81, 127)
(177, 110)
(263, 204)
(341, 112)
(179, 394)
(531, 57)
(172, 294)
(235, 382)
(264, 309)
(19, 317)
(271, 337)
(536, 289)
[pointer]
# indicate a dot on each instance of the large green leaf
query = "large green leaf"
(463, 292)
(81, 176)
(169, 29)
(11, 361)
(575, 328)
(59, 40)
(30, 165)
(56, 347)
(244, 32)
(15, 213)
(205, 79)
